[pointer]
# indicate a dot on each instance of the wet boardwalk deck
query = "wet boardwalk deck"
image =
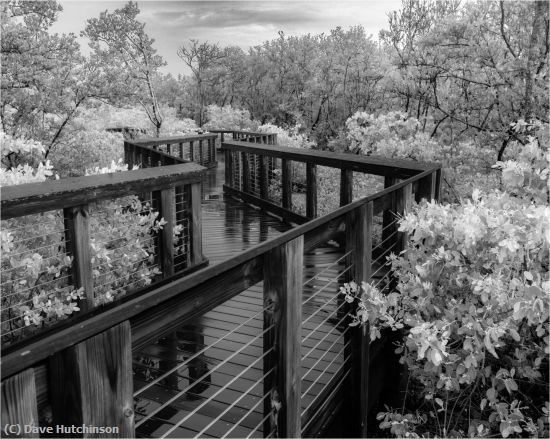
(213, 366)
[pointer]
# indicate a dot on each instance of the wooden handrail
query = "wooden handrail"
(367, 164)
(170, 140)
(197, 291)
(31, 198)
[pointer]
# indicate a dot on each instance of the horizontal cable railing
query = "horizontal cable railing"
(73, 244)
(290, 352)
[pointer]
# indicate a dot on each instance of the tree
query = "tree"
(120, 43)
(201, 58)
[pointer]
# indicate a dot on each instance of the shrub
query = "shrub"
(472, 300)
(228, 118)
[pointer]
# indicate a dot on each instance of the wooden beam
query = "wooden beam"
(196, 224)
(286, 182)
(91, 383)
(264, 177)
(245, 171)
(346, 186)
(229, 168)
(166, 206)
(31, 198)
(283, 320)
(266, 206)
(19, 405)
(367, 164)
(311, 190)
(77, 245)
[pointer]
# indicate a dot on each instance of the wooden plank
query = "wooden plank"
(264, 177)
(245, 171)
(31, 198)
(403, 205)
(346, 186)
(283, 295)
(155, 141)
(286, 180)
(438, 178)
(311, 194)
(77, 244)
(196, 224)
(229, 167)
(91, 383)
(266, 206)
(166, 206)
(19, 405)
(359, 163)
(426, 188)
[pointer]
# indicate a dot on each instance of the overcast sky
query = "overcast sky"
(242, 23)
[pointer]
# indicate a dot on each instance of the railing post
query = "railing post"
(311, 190)
(19, 404)
(196, 224)
(286, 183)
(91, 383)
(166, 207)
(201, 152)
(181, 149)
(245, 171)
(191, 151)
(388, 216)
(346, 186)
(283, 319)
(438, 178)
(403, 205)
(426, 188)
(229, 168)
(359, 229)
(264, 177)
(77, 245)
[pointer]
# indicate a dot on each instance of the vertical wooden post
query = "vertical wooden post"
(91, 382)
(359, 229)
(196, 224)
(283, 302)
(286, 184)
(388, 216)
(346, 186)
(191, 151)
(245, 171)
(403, 205)
(166, 207)
(438, 178)
(77, 245)
(201, 152)
(19, 406)
(426, 188)
(181, 149)
(311, 190)
(169, 148)
(264, 177)
(229, 169)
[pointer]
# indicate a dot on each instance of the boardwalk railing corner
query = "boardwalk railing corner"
(84, 368)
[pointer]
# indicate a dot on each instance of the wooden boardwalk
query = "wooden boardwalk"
(216, 387)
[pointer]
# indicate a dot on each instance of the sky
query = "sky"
(241, 23)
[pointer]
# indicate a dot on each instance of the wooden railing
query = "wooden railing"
(89, 361)
(248, 136)
(150, 152)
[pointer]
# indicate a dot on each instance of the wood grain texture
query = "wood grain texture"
(91, 383)
(77, 244)
(311, 190)
(264, 177)
(196, 225)
(245, 162)
(166, 199)
(19, 403)
(27, 199)
(283, 295)
(286, 199)
(229, 166)
(346, 186)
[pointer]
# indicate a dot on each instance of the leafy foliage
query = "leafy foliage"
(472, 300)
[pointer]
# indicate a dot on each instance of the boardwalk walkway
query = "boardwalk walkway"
(215, 388)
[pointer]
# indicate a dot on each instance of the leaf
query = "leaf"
(439, 402)
(489, 345)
